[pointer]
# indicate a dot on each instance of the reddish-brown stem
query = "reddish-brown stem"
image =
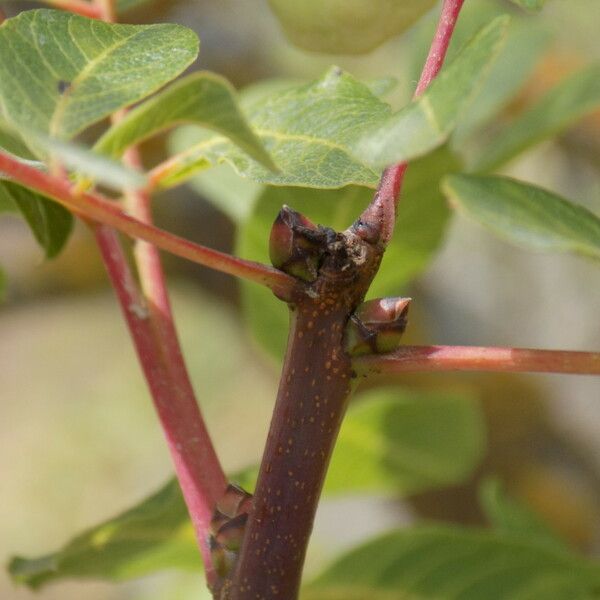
(97, 208)
(313, 392)
(200, 476)
(473, 358)
(80, 7)
(378, 219)
(2, 16)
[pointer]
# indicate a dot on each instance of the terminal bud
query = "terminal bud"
(295, 245)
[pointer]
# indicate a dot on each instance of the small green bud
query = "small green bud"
(376, 326)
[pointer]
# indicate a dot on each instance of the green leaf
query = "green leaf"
(422, 218)
(398, 441)
(308, 130)
(203, 99)
(60, 72)
(154, 535)
(524, 45)
(342, 27)
(530, 4)
(455, 563)
(560, 107)
(427, 122)
(89, 164)
(525, 215)
(510, 516)
(125, 5)
(229, 192)
(50, 223)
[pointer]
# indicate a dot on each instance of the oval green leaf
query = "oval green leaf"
(308, 130)
(525, 215)
(204, 99)
(60, 72)
(428, 121)
(346, 26)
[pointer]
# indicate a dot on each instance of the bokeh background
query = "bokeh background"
(78, 438)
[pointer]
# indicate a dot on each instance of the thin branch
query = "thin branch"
(97, 208)
(378, 219)
(196, 464)
(199, 471)
(80, 7)
(474, 358)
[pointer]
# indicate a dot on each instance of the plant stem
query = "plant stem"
(313, 393)
(473, 358)
(378, 219)
(154, 287)
(97, 208)
(198, 470)
(80, 7)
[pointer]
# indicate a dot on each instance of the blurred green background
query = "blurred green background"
(78, 437)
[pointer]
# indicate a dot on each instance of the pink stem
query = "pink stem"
(97, 208)
(80, 7)
(474, 358)
(198, 470)
(440, 43)
(380, 215)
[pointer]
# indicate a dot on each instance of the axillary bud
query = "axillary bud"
(295, 244)
(376, 326)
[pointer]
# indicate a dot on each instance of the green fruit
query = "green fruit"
(346, 26)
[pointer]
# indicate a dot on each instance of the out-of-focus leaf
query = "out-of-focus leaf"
(392, 442)
(87, 163)
(346, 26)
(307, 130)
(152, 536)
(560, 107)
(125, 5)
(427, 122)
(525, 42)
(13, 144)
(454, 563)
(530, 4)
(510, 516)
(398, 441)
(203, 99)
(230, 193)
(422, 219)
(526, 215)
(60, 72)
(50, 223)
